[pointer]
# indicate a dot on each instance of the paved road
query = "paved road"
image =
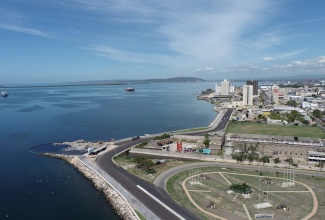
(220, 126)
(130, 182)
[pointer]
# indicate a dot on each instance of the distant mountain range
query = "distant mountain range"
(282, 78)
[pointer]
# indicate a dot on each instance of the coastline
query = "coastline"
(120, 206)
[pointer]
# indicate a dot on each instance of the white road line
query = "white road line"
(161, 203)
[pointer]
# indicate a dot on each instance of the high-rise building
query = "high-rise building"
(254, 83)
(225, 87)
(232, 88)
(275, 94)
(248, 95)
(218, 89)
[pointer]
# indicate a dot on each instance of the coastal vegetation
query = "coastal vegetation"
(141, 145)
(163, 136)
(240, 188)
(129, 163)
(277, 130)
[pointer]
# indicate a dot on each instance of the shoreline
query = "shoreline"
(122, 209)
(113, 197)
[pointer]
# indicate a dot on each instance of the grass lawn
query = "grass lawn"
(229, 206)
(277, 130)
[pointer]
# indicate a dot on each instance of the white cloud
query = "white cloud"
(209, 69)
(299, 63)
(204, 32)
(121, 55)
(290, 54)
(321, 60)
(268, 59)
(301, 67)
(25, 30)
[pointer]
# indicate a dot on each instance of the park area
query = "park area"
(206, 192)
(276, 130)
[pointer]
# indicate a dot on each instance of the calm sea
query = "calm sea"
(34, 187)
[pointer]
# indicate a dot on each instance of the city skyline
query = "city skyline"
(79, 40)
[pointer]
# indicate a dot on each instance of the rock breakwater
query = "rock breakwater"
(113, 197)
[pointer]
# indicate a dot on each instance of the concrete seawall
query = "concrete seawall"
(121, 206)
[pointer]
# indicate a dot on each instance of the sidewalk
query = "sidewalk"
(129, 199)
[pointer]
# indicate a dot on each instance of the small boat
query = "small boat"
(129, 89)
(4, 94)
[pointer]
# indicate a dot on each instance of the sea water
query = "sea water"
(35, 187)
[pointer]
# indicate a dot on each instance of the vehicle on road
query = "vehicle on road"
(135, 138)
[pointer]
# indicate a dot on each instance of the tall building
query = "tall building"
(248, 95)
(218, 89)
(232, 88)
(225, 87)
(254, 83)
(275, 94)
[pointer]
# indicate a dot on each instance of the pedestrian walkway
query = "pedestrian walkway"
(129, 198)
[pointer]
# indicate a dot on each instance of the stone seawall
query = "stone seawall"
(113, 197)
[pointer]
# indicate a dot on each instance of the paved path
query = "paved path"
(129, 198)
(247, 212)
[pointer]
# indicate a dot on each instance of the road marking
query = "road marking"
(161, 203)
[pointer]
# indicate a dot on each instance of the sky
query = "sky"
(45, 41)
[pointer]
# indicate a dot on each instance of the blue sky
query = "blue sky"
(46, 41)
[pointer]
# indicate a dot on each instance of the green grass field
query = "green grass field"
(277, 130)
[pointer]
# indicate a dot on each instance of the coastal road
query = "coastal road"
(220, 126)
(131, 183)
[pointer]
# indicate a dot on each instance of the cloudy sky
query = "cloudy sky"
(46, 41)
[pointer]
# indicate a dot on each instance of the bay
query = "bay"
(34, 187)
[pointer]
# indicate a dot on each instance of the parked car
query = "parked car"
(135, 138)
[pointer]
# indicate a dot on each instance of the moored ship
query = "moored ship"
(129, 89)
(4, 94)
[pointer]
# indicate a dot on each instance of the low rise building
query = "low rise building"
(277, 146)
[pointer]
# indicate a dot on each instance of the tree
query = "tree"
(277, 173)
(241, 188)
(261, 117)
(317, 113)
(277, 160)
(265, 159)
(221, 153)
(238, 157)
(206, 142)
(289, 161)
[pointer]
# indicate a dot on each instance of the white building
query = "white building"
(248, 95)
(218, 89)
(309, 105)
(225, 87)
(232, 89)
